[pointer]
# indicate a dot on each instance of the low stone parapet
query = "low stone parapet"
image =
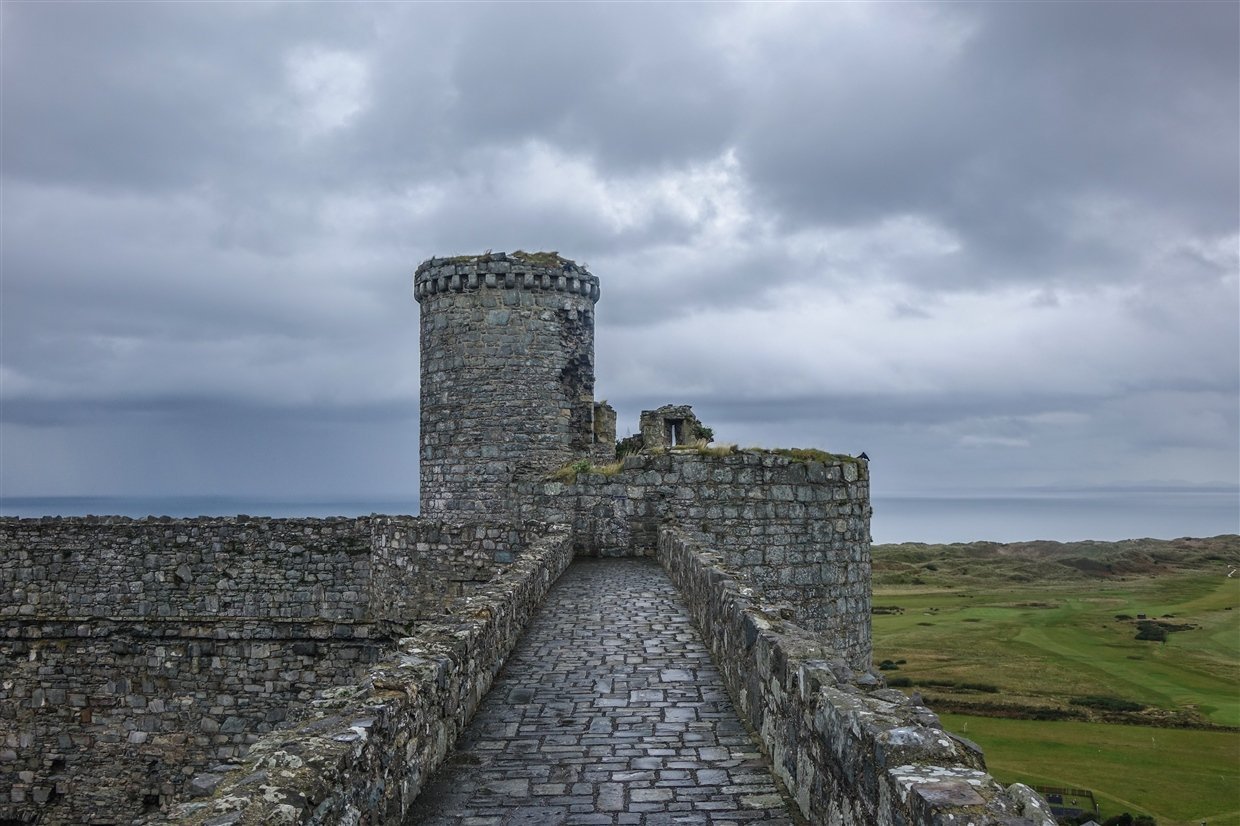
(849, 750)
(363, 753)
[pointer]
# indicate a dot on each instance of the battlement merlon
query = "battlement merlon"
(497, 270)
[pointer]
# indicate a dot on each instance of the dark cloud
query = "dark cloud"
(997, 119)
(989, 241)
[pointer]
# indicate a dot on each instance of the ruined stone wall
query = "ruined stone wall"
(798, 528)
(137, 653)
(850, 751)
(101, 721)
(668, 426)
(507, 376)
(362, 755)
(604, 449)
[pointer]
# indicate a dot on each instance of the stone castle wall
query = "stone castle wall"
(420, 566)
(796, 528)
(154, 569)
(848, 750)
(362, 755)
(140, 652)
(104, 721)
(507, 376)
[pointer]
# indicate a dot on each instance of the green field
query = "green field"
(1178, 776)
(1023, 631)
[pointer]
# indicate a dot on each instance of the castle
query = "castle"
(252, 670)
(507, 380)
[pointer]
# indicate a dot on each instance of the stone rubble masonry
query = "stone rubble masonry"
(138, 652)
(175, 569)
(361, 755)
(419, 565)
(102, 720)
(507, 376)
(850, 752)
(797, 529)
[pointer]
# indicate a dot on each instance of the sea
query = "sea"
(1058, 514)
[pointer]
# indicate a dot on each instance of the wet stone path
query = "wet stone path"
(608, 711)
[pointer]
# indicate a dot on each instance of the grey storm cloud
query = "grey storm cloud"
(989, 242)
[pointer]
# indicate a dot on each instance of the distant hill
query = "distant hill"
(918, 563)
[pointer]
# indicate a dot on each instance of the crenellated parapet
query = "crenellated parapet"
(504, 271)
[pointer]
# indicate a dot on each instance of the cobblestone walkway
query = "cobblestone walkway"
(609, 710)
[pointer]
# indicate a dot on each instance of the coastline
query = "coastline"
(1060, 515)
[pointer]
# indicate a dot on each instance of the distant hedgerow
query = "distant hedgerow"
(1107, 703)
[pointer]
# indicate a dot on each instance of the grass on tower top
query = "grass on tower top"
(568, 473)
(811, 454)
(539, 259)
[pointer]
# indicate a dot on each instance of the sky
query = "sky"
(993, 245)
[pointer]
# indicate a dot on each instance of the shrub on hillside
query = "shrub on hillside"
(1107, 703)
(1151, 631)
(1128, 820)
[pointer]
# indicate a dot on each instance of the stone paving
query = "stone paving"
(609, 711)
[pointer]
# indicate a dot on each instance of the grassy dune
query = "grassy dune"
(1031, 630)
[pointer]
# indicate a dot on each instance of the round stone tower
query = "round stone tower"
(507, 351)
